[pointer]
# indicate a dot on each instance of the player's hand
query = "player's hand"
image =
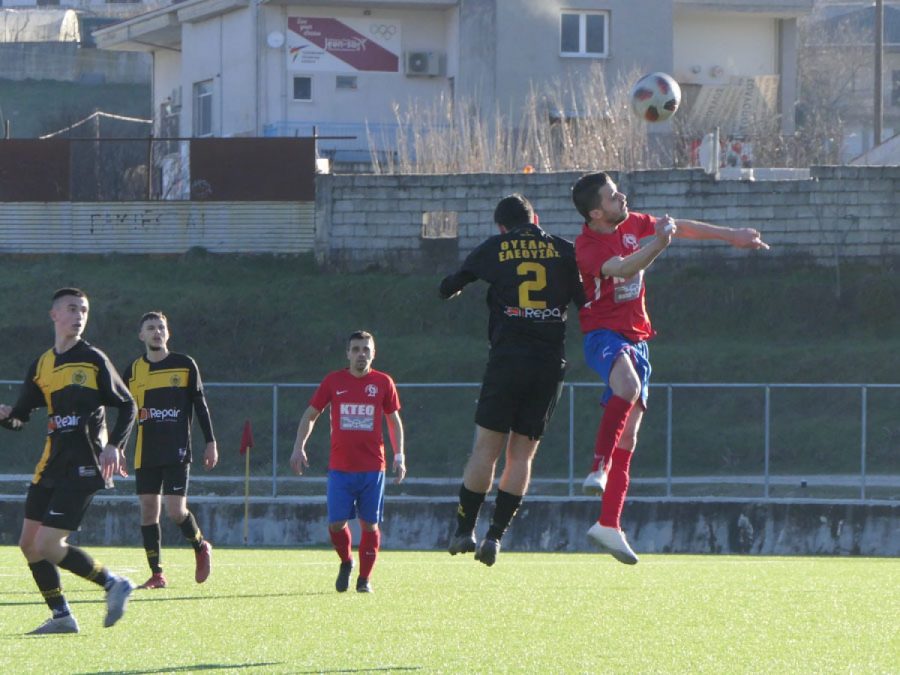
(210, 455)
(299, 461)
(747, 237)
(665, 229)
(399, 468)
(109, 462)
(5, 410)
(123, 465)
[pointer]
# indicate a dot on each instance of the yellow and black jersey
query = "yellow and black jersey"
(74, 387)
(167, 394)
(532, 277)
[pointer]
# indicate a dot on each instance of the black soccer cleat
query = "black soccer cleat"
(363, 586)
(462, 543)
(342, 583)
(487, 552)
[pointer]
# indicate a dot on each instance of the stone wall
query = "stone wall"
(69, 62)
(543, 524)
(839, 212)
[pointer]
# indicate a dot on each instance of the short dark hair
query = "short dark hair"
(155, 314)
(513, 210)
(586, 192)
(71, 290)
(360, 335)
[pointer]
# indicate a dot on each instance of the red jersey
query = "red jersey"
(614, 303)
(357, 407)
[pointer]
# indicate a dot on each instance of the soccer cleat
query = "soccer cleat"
(157, 580)
(595, 483)
(363, 586)
(56, 626)
(487, 552)
(462, 543)
(612, 540)
(343, 578)
(204, 562)
(117, 599)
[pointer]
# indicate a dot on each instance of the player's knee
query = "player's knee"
(628, 389)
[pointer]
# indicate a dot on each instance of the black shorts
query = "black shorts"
(172, 478)
(519, 394)
(61, 508)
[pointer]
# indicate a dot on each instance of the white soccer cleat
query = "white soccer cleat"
(56, 626)
(612, 540)
(116, 600)
(595, 483)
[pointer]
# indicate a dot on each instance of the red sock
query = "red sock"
(343, 542)
(616, 488)
(368, 552)
(611, 425)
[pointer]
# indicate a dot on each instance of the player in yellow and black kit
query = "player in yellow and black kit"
(168, 390)
(532, 279)
(74, 381)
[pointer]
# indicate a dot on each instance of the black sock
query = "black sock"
(190, 531)
(467, 511)
(46, 576)
(504, 510)
(80, 563)
(152, 535)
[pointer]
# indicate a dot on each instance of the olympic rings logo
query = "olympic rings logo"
(383, 30)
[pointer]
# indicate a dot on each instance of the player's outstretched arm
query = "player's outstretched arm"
(395, 431)
(739, 237)
(299, 461)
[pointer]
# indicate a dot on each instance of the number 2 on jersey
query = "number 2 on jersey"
(537, 282)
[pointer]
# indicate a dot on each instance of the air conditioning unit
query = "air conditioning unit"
(423, 64)
(176, 97)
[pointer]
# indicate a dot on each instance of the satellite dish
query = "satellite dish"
(275, 39)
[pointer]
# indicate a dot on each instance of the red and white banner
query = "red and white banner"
(345, 45)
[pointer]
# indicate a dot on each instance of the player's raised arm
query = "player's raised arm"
(739, 237)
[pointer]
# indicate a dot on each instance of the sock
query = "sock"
(152, 535)
(46, 576)
(369, 543)
(343, 543)
(611, 425)
(616, 487)
(504, 509)
(79, 562)
(190, 531)
(467, 511)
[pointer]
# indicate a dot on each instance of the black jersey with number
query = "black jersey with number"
(74, 387)
(532, 278)
(167, 393)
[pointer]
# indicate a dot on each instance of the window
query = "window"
(303, 88)
(440, 225)
(345, 82)
(203, 107)
(584, 34)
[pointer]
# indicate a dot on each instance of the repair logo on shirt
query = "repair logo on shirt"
(357, 417)
(627, 289)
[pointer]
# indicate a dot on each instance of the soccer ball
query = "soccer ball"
(655, 97)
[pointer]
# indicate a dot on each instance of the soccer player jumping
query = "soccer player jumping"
(616, 329)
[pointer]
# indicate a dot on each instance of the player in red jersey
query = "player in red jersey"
(359, 396)
(616, 329)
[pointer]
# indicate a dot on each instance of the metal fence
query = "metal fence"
(754, 441)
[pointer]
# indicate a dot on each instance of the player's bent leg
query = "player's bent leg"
(477, 479)
(27, 540)
(369, 544)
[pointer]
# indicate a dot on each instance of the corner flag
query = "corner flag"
(246, 444)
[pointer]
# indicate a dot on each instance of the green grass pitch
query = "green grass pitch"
(276, 611)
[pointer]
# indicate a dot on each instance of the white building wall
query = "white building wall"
(166, 78)
(722, 47)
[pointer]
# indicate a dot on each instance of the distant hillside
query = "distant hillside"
(38, 107)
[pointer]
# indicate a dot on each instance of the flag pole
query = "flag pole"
(246, 495)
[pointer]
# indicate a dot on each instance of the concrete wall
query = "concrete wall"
(841, 212)
(541, 525)
(68, 62)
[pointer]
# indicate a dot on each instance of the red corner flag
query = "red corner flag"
(246, 438)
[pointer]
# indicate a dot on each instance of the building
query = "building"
(293, 67)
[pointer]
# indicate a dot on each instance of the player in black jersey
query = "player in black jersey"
(74, 381)
(532, 279)
(168, 390)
